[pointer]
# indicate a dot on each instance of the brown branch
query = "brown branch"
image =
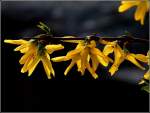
(122, 38)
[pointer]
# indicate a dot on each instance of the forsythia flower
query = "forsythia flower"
(146, 78)
(34, 52)
(82, 55)
(147, 74)
(142, 8)
(121, 55)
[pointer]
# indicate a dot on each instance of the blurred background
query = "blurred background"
(74, 92)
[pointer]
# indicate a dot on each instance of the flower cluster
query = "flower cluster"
(83, 53)
(147, 74)
(122, 54)
(35, 51)
(142, 8)
(86, 55)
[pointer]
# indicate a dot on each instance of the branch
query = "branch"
(123, 38)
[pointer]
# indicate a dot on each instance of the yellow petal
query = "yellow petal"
(142, 19)
(51, 68)
(119, 50)
(52, 48)
(141, 58)
(143, 16)
(119, 58)
(148, 57)
(139, 12)
(25, 57)
(74, 60)
(47, 55)
(27, 63)
(147, 75)
(47, 70)
(92, 44)
(102, 61)
(126, 5)
(79, 65)
(113, 69)
(80, 45)
(100, 56)
(95, 76)
(94, 62)
(69, 67)
(84, 58)
(73, 53)
(33, 65)
(46, 60)
(30, 62)
(17, 42)
(59, 59)
(20, 47)
(119, 55)
(116, 65)
(88, 58)
(108, 49)
(144, 8)
(132, 59)
(47, 66)
(96, 51)
(33, 52)
(24, 50)
(143, 12)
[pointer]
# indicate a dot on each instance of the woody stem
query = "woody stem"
(122, 38)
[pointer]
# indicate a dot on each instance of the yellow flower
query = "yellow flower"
(81, 56)
(147, 74)
(142, 8)
(121, 55)
(34, 52)
(145, 77)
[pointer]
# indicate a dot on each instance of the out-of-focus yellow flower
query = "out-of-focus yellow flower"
(81, 56)
(120, 55)
(146, 78)
(147, 74)
(142, 8)
(34, 52)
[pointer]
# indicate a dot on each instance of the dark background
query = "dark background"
(74, 92)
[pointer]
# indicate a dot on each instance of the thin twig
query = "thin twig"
(123, 38)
